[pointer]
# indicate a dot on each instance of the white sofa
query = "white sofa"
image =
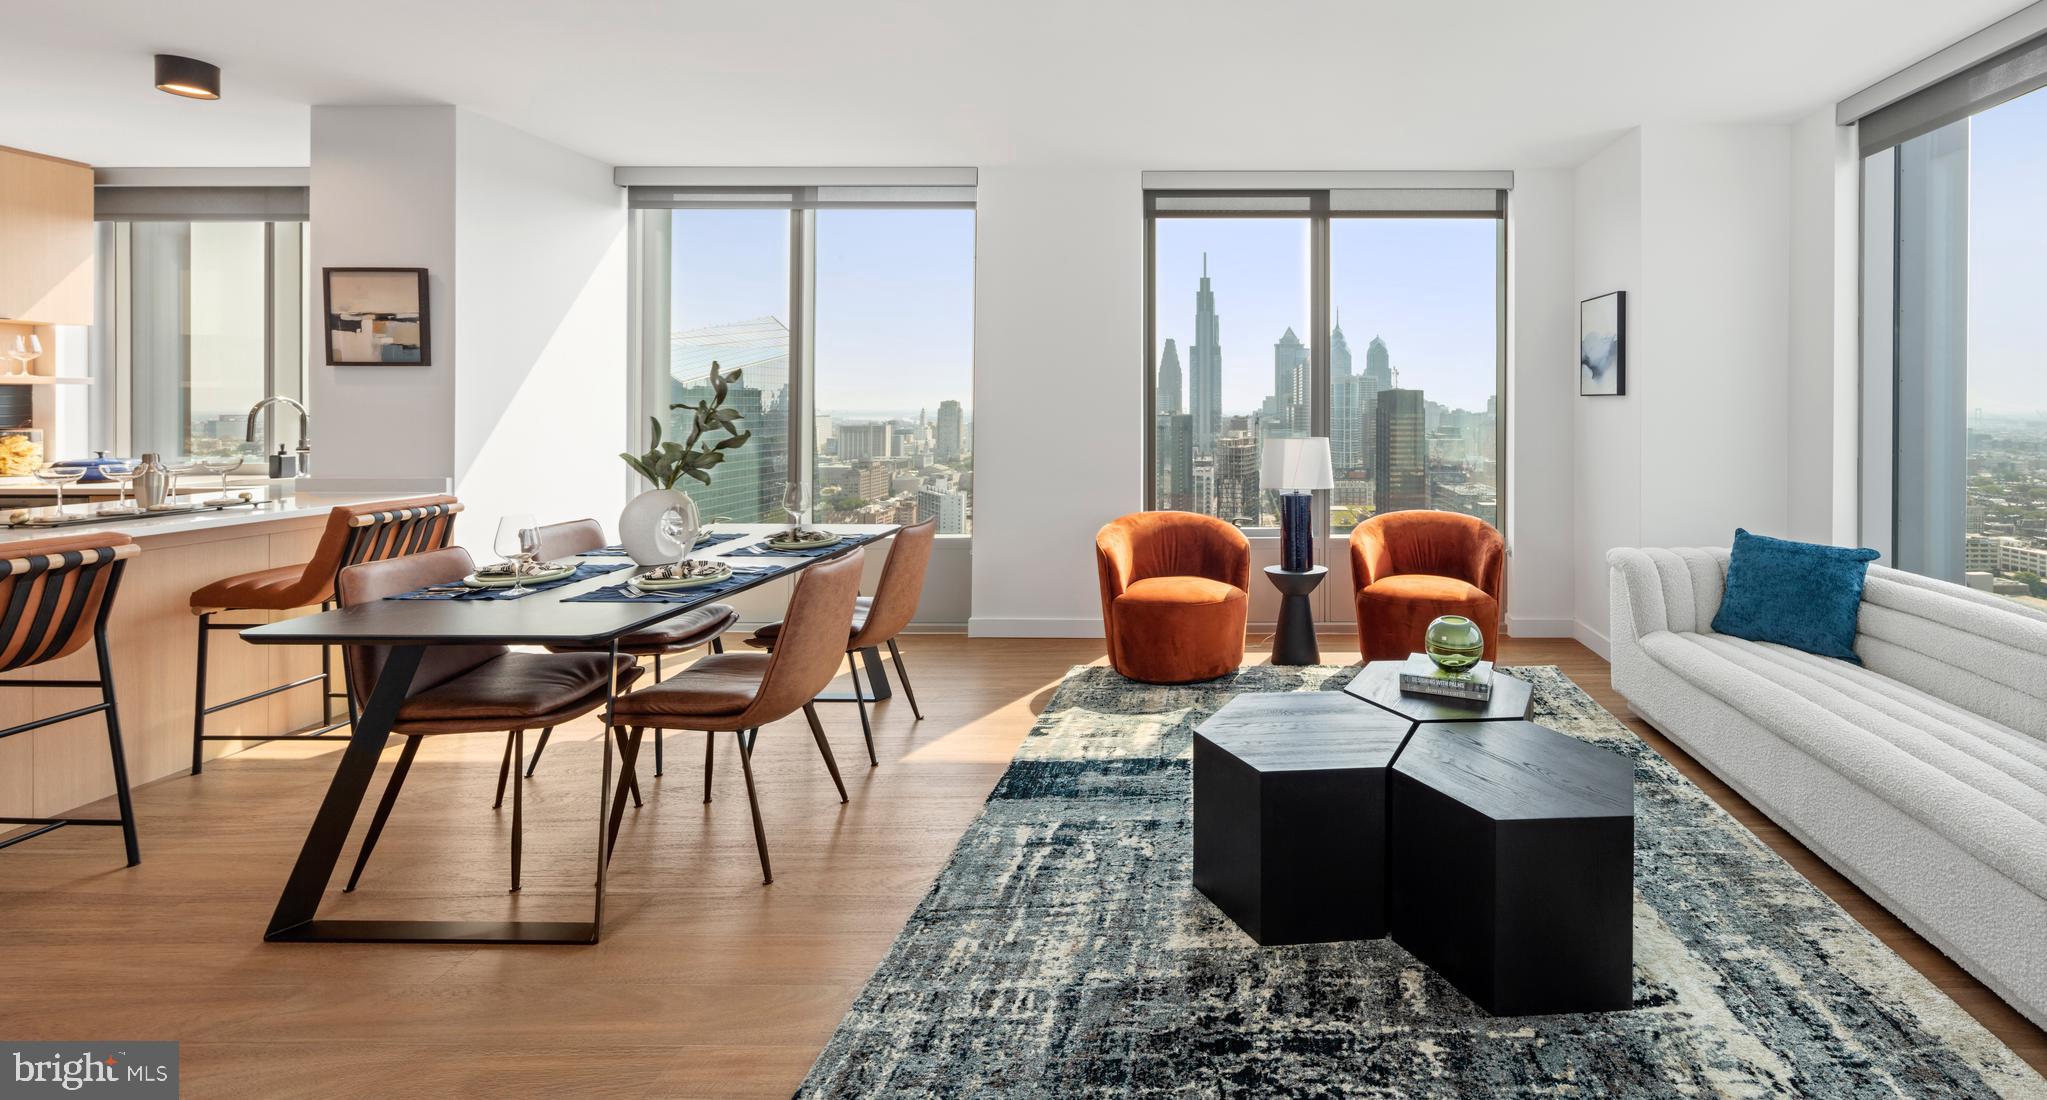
(1921, 775)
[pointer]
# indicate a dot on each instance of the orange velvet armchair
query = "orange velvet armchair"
(1176, 591)
(1409, 567)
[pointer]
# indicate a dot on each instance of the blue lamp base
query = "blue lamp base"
(1296, 532)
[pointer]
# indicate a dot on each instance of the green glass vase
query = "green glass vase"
(1454, 642)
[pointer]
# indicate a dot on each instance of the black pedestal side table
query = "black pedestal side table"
(1290, 815)
(1294, 642)
(1513, 866)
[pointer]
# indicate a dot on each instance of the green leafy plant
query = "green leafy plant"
(667, 462)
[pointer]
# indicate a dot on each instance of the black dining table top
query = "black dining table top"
(542, 618)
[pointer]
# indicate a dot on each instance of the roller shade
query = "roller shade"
(1367, 202)
(2007, 76)
(799, 198)
(200, 204)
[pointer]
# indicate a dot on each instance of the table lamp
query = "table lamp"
(1295, 468)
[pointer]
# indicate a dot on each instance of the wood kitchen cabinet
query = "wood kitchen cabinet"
(46, 249)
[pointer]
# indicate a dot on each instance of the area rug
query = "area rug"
(1064, 953)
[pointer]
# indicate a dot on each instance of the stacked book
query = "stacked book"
(1423, 677)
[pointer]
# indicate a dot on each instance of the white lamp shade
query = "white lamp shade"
(1297, 464)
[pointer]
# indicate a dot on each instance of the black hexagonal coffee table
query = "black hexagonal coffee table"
(1290, 814)
(1512, 870)
(1378, 683)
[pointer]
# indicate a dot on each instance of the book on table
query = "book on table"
(1422, 676)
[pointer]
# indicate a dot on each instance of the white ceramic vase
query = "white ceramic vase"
(658, 527)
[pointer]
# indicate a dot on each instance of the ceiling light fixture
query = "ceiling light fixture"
(187, 77)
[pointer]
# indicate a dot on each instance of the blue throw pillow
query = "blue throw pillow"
(1797, 594)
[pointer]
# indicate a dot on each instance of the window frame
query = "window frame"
(1319, 217)
(650, 259)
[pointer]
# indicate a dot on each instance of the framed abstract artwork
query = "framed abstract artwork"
(377, 316)
(1603, 345)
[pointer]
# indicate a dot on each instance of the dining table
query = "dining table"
(592, 611)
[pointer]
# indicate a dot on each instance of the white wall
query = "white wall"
(540, 240)
(1058, 399)
(383, 195)
(1606, 476)
(1542, 322)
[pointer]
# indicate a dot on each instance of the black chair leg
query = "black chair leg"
(199, 699)
(825, 747)
(516, 750)
(632, 781)
(505, 767)
(657, 731)
(369, 840)
(710, 751)
(629, 747)
(904, 675)
(860, 701)
(717, 645)
(760, 835)
(537, 750)
(120, 754)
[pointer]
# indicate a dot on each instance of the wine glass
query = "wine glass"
(796, 502)
(680, 528)
(35, 351)
(18, 351)
(59, 476)
(222, 465)
(518, 541)
(124, 475)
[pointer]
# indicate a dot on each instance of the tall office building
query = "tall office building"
(947, 505)
(1173, 444)
(1346, 431)
(1237, 498)
(747, 486)
(1205, 368)
(1168, 386)
(1402, 462)
(1291, 383)
(869, 439)
(1378, 376)
(951, 437)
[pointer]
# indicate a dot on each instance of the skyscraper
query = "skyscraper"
(747, 486)
(1290, 383)
(1236, 478)
(868, 439)
(1346, 430)
(1205, 368)
(1173, 444)
(951, 443)
(1402, 460)
(1168, 388)
(1378, 376)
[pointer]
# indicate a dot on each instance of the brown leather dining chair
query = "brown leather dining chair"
(354, 534)
(877, 619)
(468, 688)
(738, 693)
(695, 628)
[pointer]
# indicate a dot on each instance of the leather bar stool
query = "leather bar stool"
(738, 693)
(354, 534)
(877, 619)
(697, 627)
(55, 594)
(468, 688)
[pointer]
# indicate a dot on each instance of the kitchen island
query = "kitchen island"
(152, 642)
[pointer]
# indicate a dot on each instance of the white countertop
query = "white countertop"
(206, 484)
(290, 506)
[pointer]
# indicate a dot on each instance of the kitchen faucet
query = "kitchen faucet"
(305, 447)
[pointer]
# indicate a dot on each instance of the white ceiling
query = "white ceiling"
(1153, 83)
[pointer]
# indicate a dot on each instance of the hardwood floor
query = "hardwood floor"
(707, 983)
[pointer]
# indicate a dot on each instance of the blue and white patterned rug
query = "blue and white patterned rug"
(1063, 952)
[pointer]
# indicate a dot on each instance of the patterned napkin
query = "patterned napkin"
(763, 550)
(702, 541)
(742, 575)
(456, 590)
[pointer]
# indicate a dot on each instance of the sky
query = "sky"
(895, 298)
(1427, 286)
(2008, 257)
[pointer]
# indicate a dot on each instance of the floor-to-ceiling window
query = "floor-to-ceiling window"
(1956, 224)
(200, 313)
(1368, 316)
(848, 313)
